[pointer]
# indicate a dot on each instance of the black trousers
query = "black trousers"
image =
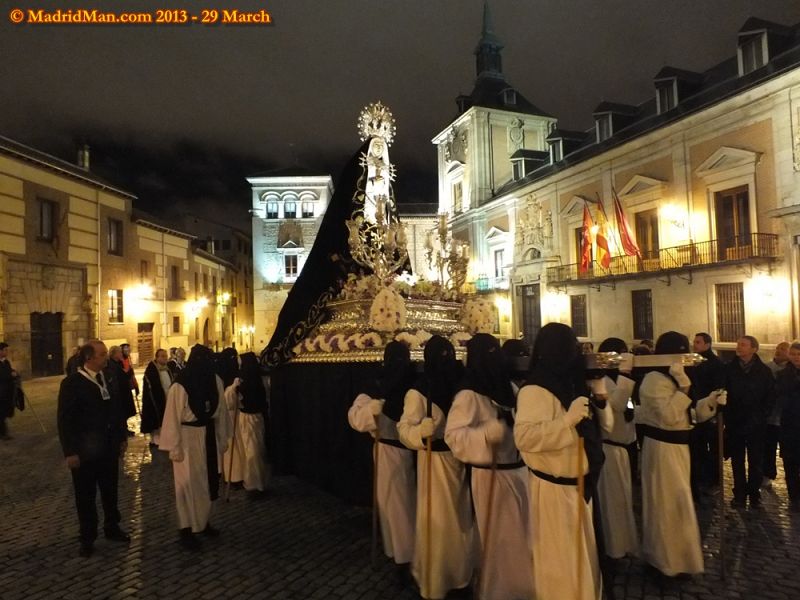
(791, 467)
(704, 454)
(749, 445)
(771, 437)
(102, 473)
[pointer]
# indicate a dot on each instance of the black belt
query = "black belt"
(502, 467)
(613, 443)
(395, 443)
(553, 479)
(439, 446)
(663, 435)
(193, 423)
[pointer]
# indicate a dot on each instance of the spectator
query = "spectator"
(73, 362)
(156, 383)
(772, 433)
(751, 389)
(788, 392)
(8, 384)
(121, 379)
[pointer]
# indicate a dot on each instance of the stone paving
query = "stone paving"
(297, 542)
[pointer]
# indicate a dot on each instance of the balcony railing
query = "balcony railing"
(738, 249)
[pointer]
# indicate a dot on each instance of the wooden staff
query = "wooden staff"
(233, 449)
(579, 545)
(721, 463)
(375, 449)
(487, 525)
(429, 504)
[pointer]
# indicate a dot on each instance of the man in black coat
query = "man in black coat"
(703, 446)
(92, 429)
(8, 377)
(788, 391)
(751, 396)
(156, 382)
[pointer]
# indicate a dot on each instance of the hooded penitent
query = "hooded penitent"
(397, 377)
(613, 344)
(442, 373)
(487, 372)
(558, 366)
(254, 394)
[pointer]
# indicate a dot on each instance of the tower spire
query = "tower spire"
(489, 62)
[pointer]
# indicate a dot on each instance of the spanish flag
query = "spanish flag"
(602, 254)
(626, 238)
(586, 241)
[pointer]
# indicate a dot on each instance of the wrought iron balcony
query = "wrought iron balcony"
(743, 249)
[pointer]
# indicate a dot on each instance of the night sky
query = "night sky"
(180, 114)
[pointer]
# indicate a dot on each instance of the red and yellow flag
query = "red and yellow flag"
(586, 241)
(602, 254)
(626, 238)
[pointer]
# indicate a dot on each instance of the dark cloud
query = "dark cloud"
(185, 112)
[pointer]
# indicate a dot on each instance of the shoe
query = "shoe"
(189, 541)
(738, 503)
(86, 550)
(117, 535)
(210, 531)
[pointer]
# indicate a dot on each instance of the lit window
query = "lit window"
(290, 265)
(115, 313)
(289, 210)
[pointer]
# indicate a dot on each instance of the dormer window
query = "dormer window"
(667, 97)
(603, 127)
(556, 151)
(517, 170)
(752, 53)
(509, 97)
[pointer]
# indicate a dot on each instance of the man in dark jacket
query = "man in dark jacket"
(751, 395)
(703, 446)
(788, 391)
(8, 379)
(92, 430)
(157, 379)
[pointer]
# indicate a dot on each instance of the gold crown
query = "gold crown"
(376, 120)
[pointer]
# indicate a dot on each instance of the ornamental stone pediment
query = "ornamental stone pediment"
(725, 159)
(639, 185)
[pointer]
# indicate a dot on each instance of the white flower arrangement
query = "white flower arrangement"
(364, 287)
(339, 343)
(460, 339)
(309, 345)
(413, 340)
(388, 311)
(370, 340)
(478, 316)
(323, 343)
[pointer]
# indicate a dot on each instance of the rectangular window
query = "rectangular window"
(176, 324)
(48, 215)
(642, 301)
(730, 311)
(290, 265)
(577, 310)
(115, 313)
(289, 210)
(555, 151)
(115, 237)
(308, 210)
(272, 210)
(603, 128)
(517, 171)
(175, 282)
(205, 282)
(752, 54)
(666, 97)
(499, 263)
(458, 197)
(144, 271)
(214, 287)
(196, 285)
(732, 217)
(647, 233)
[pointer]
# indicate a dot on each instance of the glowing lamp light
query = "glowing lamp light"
(503, 306)
(674, 215)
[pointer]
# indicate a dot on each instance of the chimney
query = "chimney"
(83, 157)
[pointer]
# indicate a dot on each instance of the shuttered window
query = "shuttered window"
(730, 311)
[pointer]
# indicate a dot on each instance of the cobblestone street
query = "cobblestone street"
(297, 542)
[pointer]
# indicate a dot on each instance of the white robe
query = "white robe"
(191, 474)
(670, 534)
(396, 486)
(452, 543)
(506, 554)
(245, 460)
(549, 444)
(614, 488)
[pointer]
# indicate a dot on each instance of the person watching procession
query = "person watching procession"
(73, 362)
(554, 420)
(127, 366)
(177, 361)
(751, 397)
(446, 540)
(706, 377)
(92, 431)
(670, 533)
(195, 432)
(614, 488)
(246, 401)
(479, 432)
(773, 430)
(9, 380)
(122, 379)
(377, 411)
(788, 396)
(155, 385)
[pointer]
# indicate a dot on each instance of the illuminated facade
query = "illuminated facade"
(77, 262)
(707, 173)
